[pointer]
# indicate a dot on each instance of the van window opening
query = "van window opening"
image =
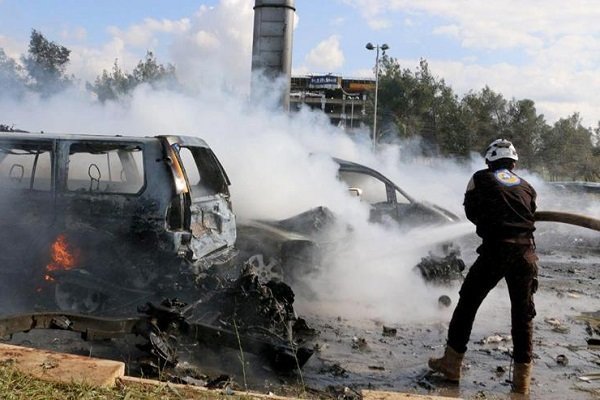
(203, 173)
(26, 166)
(106, 168)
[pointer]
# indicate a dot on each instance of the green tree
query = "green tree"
(117, 83)
(567, 151)
(526, 128)
(485, 117)
(12, 78)
(45, 64)
(111, 85)
(150, 71)
(419, 104)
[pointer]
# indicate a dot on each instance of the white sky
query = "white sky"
(547, 50)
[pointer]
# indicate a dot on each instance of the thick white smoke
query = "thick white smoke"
(279, 165)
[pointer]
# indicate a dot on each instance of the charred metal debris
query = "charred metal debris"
(442, 269)
(246, 315)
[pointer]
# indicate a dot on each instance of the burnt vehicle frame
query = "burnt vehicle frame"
(290, 248)
(137, 213)
(393, 202)
(168, 330)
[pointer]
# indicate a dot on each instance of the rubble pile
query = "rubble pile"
(247, 304)
(442, 269)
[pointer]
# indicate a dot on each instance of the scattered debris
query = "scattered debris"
(442, 269)
(557, 325)
(320, 347)
(49, 363)
(244, 314)
(188, 380)
(444, 301)
(246, 304)
(590, 377)
(359, 343)
(561, 359)
(552, 321)
(342, 393)
(561, 329)
(495, 339)
(220, 382)
(492, 339)
(593, 321)
(388, 331)
(425, 382)
(500, 370)
(593, 342)
(335, 370)
(301, 328)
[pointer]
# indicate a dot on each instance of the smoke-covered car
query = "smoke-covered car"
(94, 222)
(290, 248)
(386, 200)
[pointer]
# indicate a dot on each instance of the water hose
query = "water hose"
(568, 218)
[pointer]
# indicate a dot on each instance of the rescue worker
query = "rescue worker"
(501, 205)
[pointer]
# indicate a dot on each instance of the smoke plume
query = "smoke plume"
(280, 165)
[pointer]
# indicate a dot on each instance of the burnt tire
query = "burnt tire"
(78, 299)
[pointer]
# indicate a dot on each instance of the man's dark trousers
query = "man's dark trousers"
(517, 264)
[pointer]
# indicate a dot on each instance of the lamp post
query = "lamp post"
(383, 48)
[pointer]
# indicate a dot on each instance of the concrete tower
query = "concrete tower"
(272, 43)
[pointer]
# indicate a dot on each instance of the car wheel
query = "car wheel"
(69, 297)
(266, 271)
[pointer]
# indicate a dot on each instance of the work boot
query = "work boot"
(521, 378)
(449, 365)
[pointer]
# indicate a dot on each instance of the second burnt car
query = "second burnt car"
(387, 201)
(290, 248)
(97, 223)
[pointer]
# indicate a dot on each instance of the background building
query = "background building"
(344, 100)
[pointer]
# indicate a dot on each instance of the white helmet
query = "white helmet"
(501, 148)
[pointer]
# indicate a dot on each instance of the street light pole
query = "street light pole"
(383, 48)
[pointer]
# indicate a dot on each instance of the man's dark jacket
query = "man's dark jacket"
(501, 205)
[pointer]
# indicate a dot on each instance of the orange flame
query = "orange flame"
(64, 257)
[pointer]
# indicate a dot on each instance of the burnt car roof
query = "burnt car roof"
(182, 139)
(355, 167)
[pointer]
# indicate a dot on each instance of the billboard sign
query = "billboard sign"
(325, 82)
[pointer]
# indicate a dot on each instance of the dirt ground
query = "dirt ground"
(353, 354)
(569, 272)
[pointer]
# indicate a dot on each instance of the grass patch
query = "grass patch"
(15, 385)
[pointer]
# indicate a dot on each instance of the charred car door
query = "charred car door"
(380, 194)
(102, 184)
(107, 213)
(27, 196)
(207, 208)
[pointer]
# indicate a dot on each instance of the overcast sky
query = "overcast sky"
(548, 51)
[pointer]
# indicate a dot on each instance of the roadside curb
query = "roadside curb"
(67, 368)
(62, 367)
